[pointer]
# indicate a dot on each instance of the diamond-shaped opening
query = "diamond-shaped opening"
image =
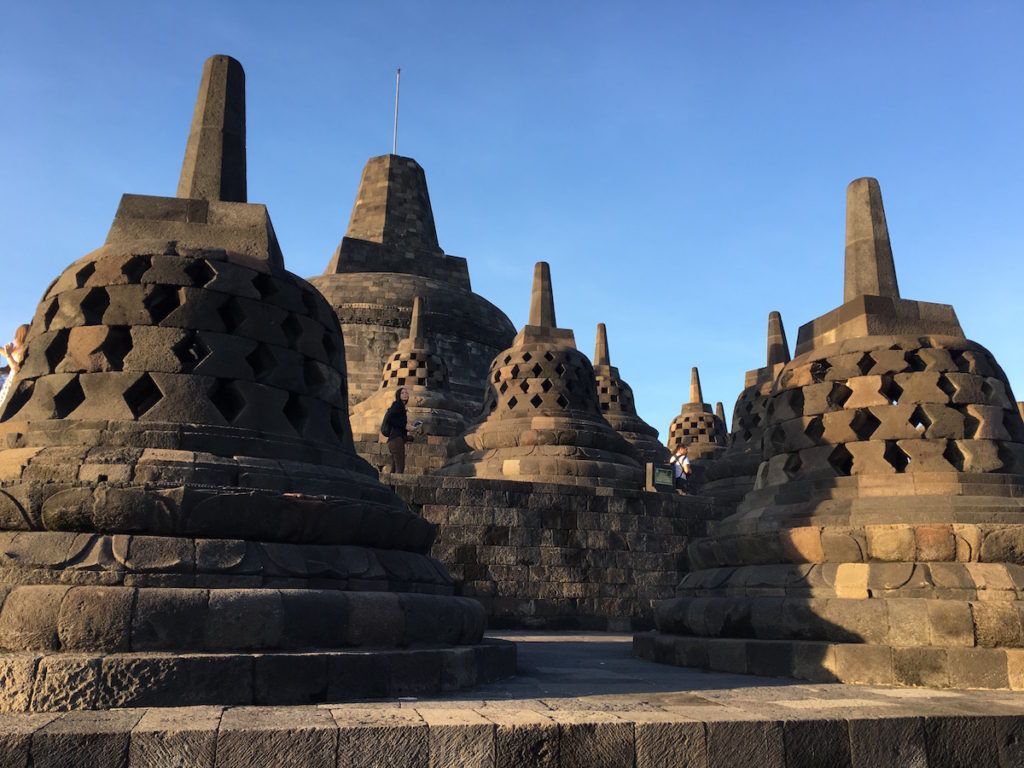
(747, 434)
(896, 456)
(891, 390)
(841, 460)
(971, 425)
(819, 369)
(266, 285)
(503, 388)
(227, 399)
(549, 357)
(524, 386)
(960, 360)
(537, 370)
(16, 400)
(262, 362)
(815, 429)
(70, 397)
(312, 374)
(161, 300)
(947, 386)
(94, 305)
(536, 401)
(508, 359)
(771, 408)
(231, 314)
(914, 361)
(512, 402)
(755, 420)
(777, 437)
(190, 351)
(839, 395)
(514, 372)
(954, 455)
(296, 413)
(527, 357)
(331, 349)
(864, 424)
(82, 276)
(136, 267)
(51, 312)
(337, 426)
(562, 401)
(919, 420)
(142, 395)
(987, 389)
(546, 385)
(748, 406)
(311, 303)
(560, 369)
(57, 349)
(865, 364)
(200, 272)
(792, 465)
(497, 377)
(116, 345)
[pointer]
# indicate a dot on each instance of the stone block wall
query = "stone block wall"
(556, 556)
(425, 454)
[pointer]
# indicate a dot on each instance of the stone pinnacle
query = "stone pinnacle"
(542, 299)
(214, 165)
(720, 411)
(416, 323)
(696, 396)
(1020, 407)
(601, 356)
(778, 347)
(869, 265)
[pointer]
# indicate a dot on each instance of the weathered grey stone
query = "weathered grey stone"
(297, 737)
(98, 739)
(380, 738)
(459, 738)
(184, 736)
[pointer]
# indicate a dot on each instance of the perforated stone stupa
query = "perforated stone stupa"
(883, 539)
(391, 254)
(183, 518)
(732, 475)
(619, 408)
(697, 427)
(542, 420)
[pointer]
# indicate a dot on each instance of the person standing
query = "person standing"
(14, 352)
(681, 467)
(395, 428)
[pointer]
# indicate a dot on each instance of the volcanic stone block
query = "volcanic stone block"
(380, 738)
(98, 739)
(179, 736)
(459, 737)
(298, 737)
(594, 738)
(524, 739)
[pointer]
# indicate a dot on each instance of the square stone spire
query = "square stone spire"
(542, 325)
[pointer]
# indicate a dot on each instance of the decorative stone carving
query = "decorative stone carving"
(618, 407)
(883, 540)
(542, 420)
(178, 473)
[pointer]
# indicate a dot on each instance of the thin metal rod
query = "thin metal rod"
(398, 85)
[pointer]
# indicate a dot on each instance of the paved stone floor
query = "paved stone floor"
(579, 700)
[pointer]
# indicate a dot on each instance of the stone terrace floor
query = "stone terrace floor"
(579, 700)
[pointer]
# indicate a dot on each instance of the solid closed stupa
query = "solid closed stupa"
(542, 420)
(883, 540)
(184, 519)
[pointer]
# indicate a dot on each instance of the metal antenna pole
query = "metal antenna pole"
(398, 85)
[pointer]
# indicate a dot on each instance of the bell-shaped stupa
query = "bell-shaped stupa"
(697, 427)
(883, 539)
(731, 476)
(542, 420)
(389, 255)
(416, 368)
(184, 519)
(619, 408)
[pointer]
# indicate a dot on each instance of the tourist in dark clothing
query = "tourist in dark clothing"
(395, 428)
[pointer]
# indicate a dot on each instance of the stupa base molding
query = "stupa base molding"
(821, 661)
(34, 682)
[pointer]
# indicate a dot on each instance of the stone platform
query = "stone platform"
(579, 700)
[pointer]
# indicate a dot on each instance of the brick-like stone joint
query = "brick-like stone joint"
(389, 254)
(181, 505)
(882, 539)
(214, 164)
(697, 427)
(415, 367)
(542, 419)
(732, 475)
(619, 407)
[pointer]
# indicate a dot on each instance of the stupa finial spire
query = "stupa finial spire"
(696, 396)
(778, 347)
(870, 269)
(214, 164)
(542, 298)
(416, 329)
(601, 356)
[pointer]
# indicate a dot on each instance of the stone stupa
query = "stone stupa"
(542, 420)
(883, 541)
(697, 427)
(619, 408)
(389, 255)
(183, 516)
(731, 476)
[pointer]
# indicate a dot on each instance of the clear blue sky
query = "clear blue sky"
(681, 165)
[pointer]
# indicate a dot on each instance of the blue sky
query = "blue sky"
(682, 166)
